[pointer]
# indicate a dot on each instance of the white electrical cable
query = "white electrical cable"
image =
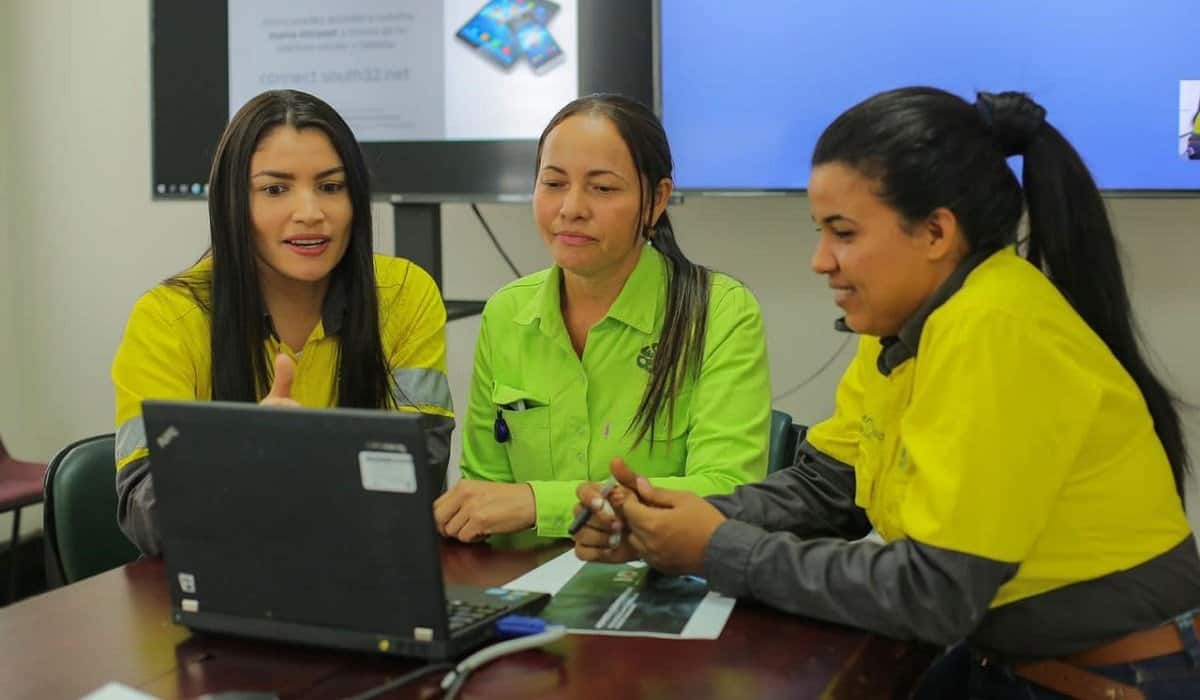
(553, 633)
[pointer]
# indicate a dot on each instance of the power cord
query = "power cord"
(807, 380)
(454, 681)
(495, 241)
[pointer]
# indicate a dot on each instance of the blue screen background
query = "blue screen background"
(747, 87)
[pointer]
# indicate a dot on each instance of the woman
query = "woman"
(623, 347)
(998, 427)
(291, 276)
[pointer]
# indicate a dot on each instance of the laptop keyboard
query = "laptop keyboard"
(462, 614)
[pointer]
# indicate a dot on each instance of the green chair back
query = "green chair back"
(81, 511)
(782, 444)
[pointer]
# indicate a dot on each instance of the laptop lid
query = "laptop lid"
(315, 518)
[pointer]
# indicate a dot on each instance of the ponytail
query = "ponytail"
(1072, 242)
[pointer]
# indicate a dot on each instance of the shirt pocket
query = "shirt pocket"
(527, 415)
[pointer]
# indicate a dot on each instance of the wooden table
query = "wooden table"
(116, 627)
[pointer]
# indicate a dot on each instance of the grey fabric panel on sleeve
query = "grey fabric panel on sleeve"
(812, 498)
(137, 508)
(903, 589)
(131, 437)
(422, 387)
(438, 430)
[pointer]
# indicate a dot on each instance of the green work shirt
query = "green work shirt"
(568, 417)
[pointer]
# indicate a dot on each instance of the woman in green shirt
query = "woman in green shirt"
(620, 349)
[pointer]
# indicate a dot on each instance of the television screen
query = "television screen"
(447, 97)
(748, 87)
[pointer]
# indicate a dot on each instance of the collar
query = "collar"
(899, 348)
(637, 306)
(333, 310)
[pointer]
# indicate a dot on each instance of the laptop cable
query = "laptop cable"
(529, 633)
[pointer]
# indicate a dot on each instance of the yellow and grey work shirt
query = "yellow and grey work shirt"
(166, 354)
(1011, 465)
(568, 417)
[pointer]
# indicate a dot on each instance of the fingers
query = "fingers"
(623, 474)
(587, 492)
(602, 516)
(446, 506)
(638, 543)
(458, 521)
(285, 372)
(604, 554)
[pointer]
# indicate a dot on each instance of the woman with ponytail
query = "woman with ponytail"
(624, 348)
(999, 426)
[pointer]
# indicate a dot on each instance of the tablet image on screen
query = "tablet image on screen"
(488, 31)
(536, 44)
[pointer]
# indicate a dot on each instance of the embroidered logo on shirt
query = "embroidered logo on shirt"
(869, 429)
(645, 358)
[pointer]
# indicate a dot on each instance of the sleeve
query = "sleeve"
(905, 589)
(993, 426)
(812, 498)
(729, 421)
(418, 365)
(482, 457)
(152, 361)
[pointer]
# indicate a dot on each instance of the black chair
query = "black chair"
(82, 536)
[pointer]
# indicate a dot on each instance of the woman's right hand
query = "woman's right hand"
(281, 384)
(603, 537)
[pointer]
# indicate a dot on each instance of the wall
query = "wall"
(8, 254)
(85, 239)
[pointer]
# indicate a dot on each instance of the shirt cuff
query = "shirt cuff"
(727, 557)
(555, 504)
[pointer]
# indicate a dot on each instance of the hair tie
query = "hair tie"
(1013, 118)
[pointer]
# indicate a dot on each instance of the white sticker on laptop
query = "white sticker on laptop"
(187, 583)
(393, 472)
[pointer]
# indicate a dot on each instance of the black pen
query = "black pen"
(584, 515)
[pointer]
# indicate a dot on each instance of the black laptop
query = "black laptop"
(310, 526)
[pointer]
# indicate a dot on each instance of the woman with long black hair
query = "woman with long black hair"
(623, 347)
(999, 426)
(289, 306)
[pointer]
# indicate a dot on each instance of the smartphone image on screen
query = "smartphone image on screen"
(536, 43)
(488, 32)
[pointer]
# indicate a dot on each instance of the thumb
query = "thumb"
(623, 474)
(662, 498)
(281, 384)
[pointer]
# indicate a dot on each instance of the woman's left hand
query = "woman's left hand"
(472, 510)
(670, 529)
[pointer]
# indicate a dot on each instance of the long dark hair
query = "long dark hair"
(241, 369)
(680, 348)
(928, 149)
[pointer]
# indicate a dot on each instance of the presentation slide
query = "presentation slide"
(748, 87)
(412, 70)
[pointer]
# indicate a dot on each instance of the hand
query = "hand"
(601, 537)
(281, 384)
(669, 529)
(472, 509)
